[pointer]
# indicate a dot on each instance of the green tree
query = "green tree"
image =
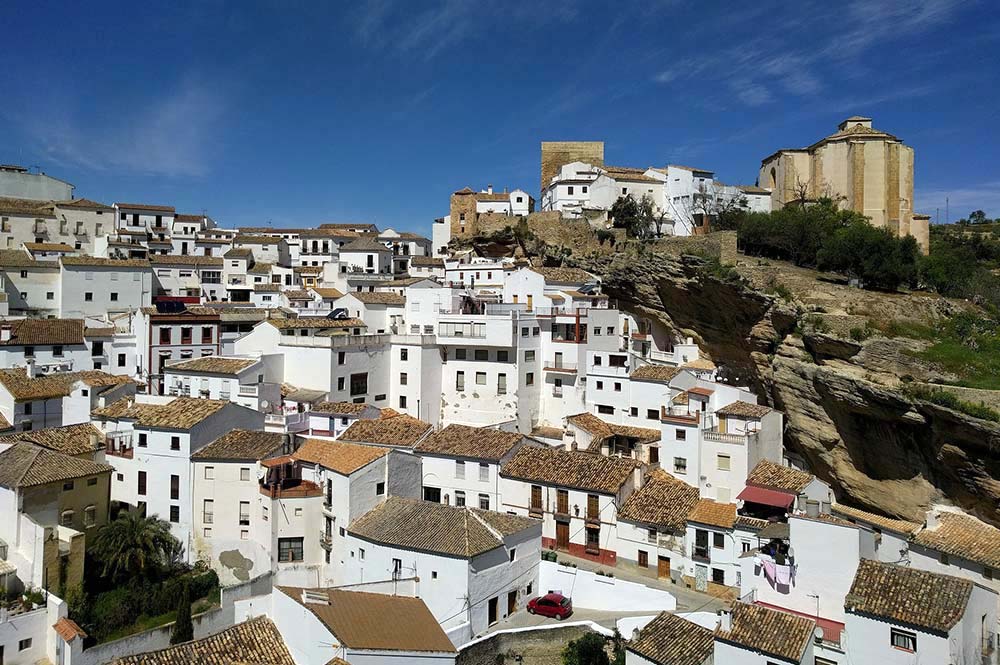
(978, 217)
(640, 219)
(183, 628)
(586, 650)
(132, 546)
(877, 258)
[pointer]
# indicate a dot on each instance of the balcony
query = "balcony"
(325, 540)
(716, 436)
(559, 366)
(291, 488)
(679, 414)
(701, 553)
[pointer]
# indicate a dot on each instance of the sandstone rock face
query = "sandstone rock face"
(844, 412)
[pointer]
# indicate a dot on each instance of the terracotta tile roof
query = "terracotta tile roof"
(297, 294)
(753, 189)
(658, 373)
(68, 629)
(399, 430)
(242, 444)
(713, 513)
(379, 298)
(87, 204)
(100, 262)
(239, 253)
(375, 621)
(698, 390)
(963, 536)
(212, 365)
(700, 363)
(767, 631)
(338, 226)
(42, 332)
(48, 247)
(27, 465)
(630, 174)
(547, 432)
(671, 640)
(18, 258)
(328, 293)
(344, 458)
(145, 206)
(578, 470)
(80, 439)
(878, 521)
(564, 275)
(742, 409)
(254, 642)
(482, 443)
(339, 408)
(189, 218)
(51, 386)
(774, 476)
(104, 331)
(364, 245)
(308, 270)
(178, 413)
(427, 261)
(438, 528)
(185, 260)
(602, 431)
(256, 240)
(908, 595)
(28, 207)
(315, 323)
(663, 501)
(267, 287)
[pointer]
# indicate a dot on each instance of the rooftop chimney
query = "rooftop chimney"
(489, 189)
(29, 368)
(315, 597)
(725, 620)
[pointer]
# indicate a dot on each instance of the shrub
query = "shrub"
(951, 401)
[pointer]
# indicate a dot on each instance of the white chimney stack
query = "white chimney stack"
(489, 189)
(725, 620)
(29, 368)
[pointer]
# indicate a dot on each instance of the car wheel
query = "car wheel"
(560, 617)
(531, 610)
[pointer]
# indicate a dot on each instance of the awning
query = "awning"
(766, 497)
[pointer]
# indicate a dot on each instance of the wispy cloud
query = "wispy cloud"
(173, 134)
(960, 200)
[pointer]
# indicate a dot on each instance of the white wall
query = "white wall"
(595, 592)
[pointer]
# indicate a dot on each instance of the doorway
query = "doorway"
(511, 602)
(663, 566)
(562, 535)
(493, 611)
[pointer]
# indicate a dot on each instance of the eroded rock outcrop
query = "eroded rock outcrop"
(845, 413)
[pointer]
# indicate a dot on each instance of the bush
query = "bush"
(951, 401)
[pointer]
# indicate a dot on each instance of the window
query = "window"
(66, 519)
(403, 378)
(361, 553)
(651, 535)
(175, 514)
(459, 498)
(605, 409)
(175, 487)
(459, 380)
(186, 335)
(569, 190)
(68, 486)
(513, 553)
(480, 378)
(562, 502)
(643, 559)
(484, 502)
(593, 544)
(404, 354)
(680, 465)
(379, 489)
(142, 483)
(722, 462)
(164, 335)
(341, 357)
(618, 387)
(718, 541)
(652, 414)
(529, 356)
(460, 354)
(24, 645)
(901, 639)
(524, 332)
(529, 379)
(680, 434)
(206, 335)
(397, 568)
(484, 472)
(290, 549)
(536, 331)
(536, 499)
(432, 494)
(29, 351)
(208, 511)
(459, 469)
(244, 473)
(402, 401)
(502, 356)
(245, 513)
(340, 383)
(359, 383)
(718, 576)
(88, 296)
(50, 295)
(501, 384)
(634, 412)
(114, 295)
(175, 443)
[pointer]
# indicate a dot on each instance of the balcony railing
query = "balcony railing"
(559, 366)
(701, 553)
(722, 437)
(678, 413)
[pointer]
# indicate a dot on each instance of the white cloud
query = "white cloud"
(171, 134)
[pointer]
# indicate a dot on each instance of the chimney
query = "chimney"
(812, 508)
(315, 597)
(637, 477)
(5, 332)
(489, 189)
(569, 440)
(725, 620)
(931, 521)
(29, 368)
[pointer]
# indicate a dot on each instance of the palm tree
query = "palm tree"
(133, 546)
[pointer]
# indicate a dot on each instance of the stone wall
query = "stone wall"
(556, 154)
(530, 647)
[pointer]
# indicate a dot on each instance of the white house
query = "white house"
(474, 567)
(461, 465)
(670, 640)
(92, 286)
(757, 635)
(576, 494)
(29, 402)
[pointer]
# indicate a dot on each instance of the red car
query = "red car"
(551, 605)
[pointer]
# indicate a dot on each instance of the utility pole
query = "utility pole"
(947, 216)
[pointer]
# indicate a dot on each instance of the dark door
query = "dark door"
(643, 559)
(663, 566)
(654, 455)
(562, 535)
(511, 602)
(493, 610)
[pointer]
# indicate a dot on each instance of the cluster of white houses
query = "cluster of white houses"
(382, 432)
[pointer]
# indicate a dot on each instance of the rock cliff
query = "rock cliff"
(845, 414)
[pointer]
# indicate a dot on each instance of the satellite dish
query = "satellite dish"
(264, 404)
(818, 634)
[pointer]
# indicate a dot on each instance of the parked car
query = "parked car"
(551, 605)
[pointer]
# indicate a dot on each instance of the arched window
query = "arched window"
(774, 178)
(66, 519)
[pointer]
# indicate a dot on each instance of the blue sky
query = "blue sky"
(296, 113)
